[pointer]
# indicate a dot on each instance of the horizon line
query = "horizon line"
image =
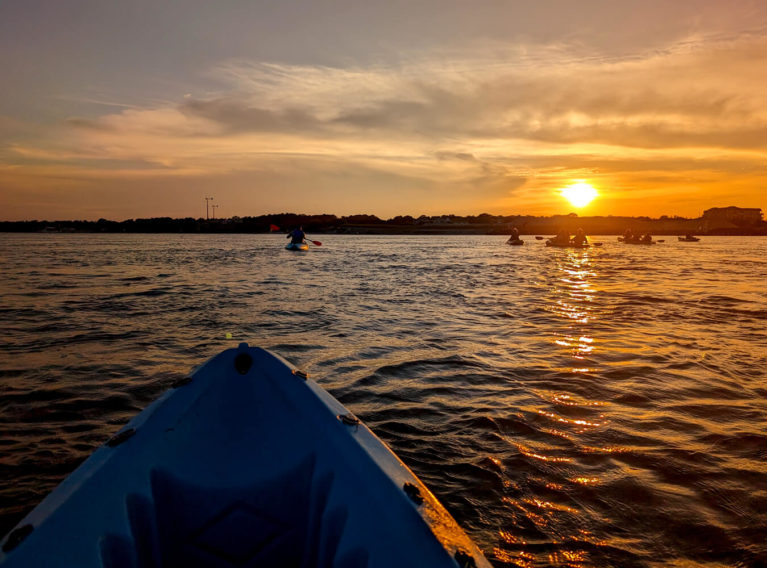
(371, 215)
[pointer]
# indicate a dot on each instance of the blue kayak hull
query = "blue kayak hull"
(245, 463)
(297, 246)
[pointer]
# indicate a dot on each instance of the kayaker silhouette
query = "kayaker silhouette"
(562, 238)
(580, 238)
(297, 235)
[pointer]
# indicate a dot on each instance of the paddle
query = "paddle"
(318, 243)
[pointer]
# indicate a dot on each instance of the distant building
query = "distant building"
(730, 217)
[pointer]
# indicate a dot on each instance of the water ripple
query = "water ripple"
(603, 407)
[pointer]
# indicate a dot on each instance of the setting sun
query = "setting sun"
(579, 194)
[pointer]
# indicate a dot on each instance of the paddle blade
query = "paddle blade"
(318, 243)
(274, 228)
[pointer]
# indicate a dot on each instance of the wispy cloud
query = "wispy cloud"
(488, 124)
(664, 99)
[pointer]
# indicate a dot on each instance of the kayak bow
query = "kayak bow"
(246, 462)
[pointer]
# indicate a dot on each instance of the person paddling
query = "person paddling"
(562, 238)
(296, 236)
(580, 238)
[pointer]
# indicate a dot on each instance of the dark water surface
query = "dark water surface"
(605, 407)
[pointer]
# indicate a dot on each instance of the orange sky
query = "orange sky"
(124, 110)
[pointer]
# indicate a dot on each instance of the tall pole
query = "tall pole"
(207, 209)
(214, 210)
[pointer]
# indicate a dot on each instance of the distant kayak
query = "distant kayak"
(567, 245)
(246, 462)
(689, 239)
(636, 241)
(297, 246)
(515, 242)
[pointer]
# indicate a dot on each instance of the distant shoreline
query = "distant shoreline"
(364, 232)
(718, 221)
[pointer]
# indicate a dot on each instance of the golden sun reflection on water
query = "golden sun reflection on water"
(570, 400)
(541, 504)
(509, 538)
(574, 302)
(572, 312)
(586, 480)
(570, 421)
(521, 559)
(579, 346)
(566, 418)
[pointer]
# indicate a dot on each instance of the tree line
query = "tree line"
(259, 224)
(401, 224)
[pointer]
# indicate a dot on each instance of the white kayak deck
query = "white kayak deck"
(246, 463)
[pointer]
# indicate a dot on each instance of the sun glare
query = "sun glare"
(579, 194)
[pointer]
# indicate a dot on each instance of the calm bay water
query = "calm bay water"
(604, 407)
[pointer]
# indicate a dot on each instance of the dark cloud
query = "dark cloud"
(237, 115)
(462, 156)
(389, 115)
(89, 124)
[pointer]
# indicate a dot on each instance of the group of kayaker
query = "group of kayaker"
(630, 237)
(563, 238)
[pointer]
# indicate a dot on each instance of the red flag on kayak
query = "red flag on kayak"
(274, 228)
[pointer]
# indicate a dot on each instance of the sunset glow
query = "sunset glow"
(428, 118)
(579, 194)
